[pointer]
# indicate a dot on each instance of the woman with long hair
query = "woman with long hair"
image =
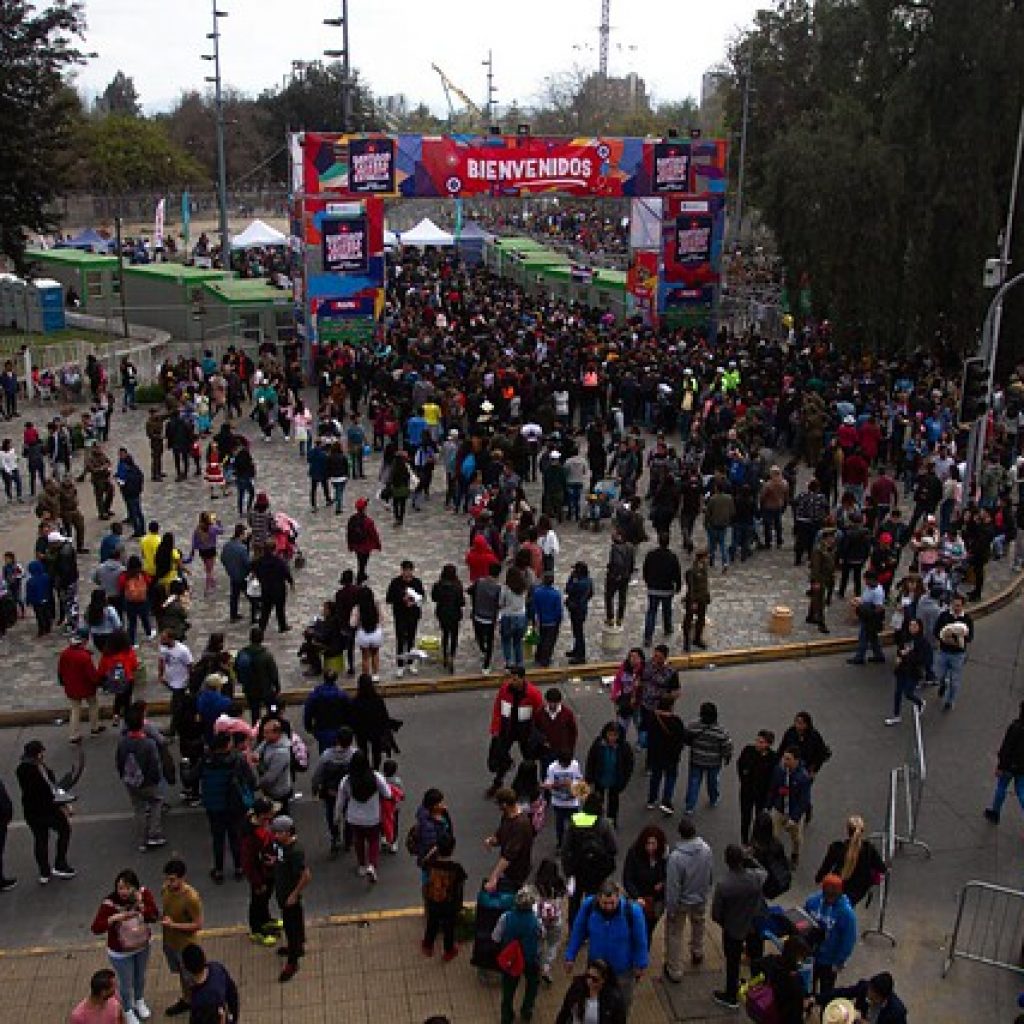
(371, 721)
(512, 616)
(358, 806)
(117, 668)
(643, 875)
(204, 543)
(625, 691)
(855, 860)
(369, 636)
(593, 996)
(167, 561)
(449, 599)
(125, 916)
(101, 618)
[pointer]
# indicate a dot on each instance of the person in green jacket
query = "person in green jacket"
(257, 674)
(520, 924)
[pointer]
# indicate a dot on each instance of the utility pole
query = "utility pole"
(222, 170)
(491, 90)
(346, 65)
(604, 33)
(741, 176)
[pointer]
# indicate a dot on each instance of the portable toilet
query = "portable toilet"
(46, 304)
(8, 313)
(19, 296)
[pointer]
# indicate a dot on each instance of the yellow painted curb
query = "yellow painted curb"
(544, 676)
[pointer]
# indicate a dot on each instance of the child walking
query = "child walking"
(389, 806)
(551, 889)
(443, 893)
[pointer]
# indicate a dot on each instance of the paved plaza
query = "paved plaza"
(739, 614)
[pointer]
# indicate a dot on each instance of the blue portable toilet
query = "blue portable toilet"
(46, 305)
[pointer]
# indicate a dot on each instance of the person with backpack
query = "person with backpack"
(359, 806)
(443, 895)
(687, 887)
(665, 744)
(134, 586)
(433, 821)
(139, 768)
(735, 906)
(258, 864)
(613, 928)
(589, 850)
(132, 482)
(257, 674)
(228, 793)
(328, 776)
(609, 767)
(362, 538)
(117, 669)
(517, 935)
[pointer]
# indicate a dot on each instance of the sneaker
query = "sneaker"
(361, 871)
(371, 874)
(142, 1011)
(450, 954)
(289, 971)
(942, 688)
(7, 884)
(156, 841)
(726, 1000)
(130, 1018)
(262, 939)
(992, 816)
(275, 925)
(667, 809)
(426, 950)
(924, 704)
(399, 672)
(413, 668)
(651, 805)
(893, 721)
(67, 871)
(44, 879)
(485, 671)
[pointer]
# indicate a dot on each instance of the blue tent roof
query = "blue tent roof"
(471, 231)
(89, 239)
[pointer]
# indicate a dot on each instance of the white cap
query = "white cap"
(55, 537)
(556, 455)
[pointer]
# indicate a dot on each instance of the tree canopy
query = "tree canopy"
(37, 115)
(881, 143)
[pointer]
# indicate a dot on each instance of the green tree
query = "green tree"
(37, 113)
(121, 154)
(120, 98)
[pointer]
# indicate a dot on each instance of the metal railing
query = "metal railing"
(989, 927)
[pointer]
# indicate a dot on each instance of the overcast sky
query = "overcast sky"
(670, 43)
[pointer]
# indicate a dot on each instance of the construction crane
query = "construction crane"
(450, 89)
(604, 33)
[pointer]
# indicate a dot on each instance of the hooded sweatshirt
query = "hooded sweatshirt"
(480, 558)
(38, 588)
(688, 874)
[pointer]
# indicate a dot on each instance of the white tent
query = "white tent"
(258, 233)
(426, 233)
(390, 239)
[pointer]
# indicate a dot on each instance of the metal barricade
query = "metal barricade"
(989, 927)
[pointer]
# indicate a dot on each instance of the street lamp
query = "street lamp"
(346, 66)
(222, 173)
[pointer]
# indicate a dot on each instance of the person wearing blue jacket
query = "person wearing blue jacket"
(316, 457)
(212, 703)
(214, 994)
(547, 615)
(789, 798)
(39, 596)
(520, 924)
(614, 929)
(834, 914)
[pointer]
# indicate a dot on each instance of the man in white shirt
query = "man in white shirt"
(173, 665)
(871, 614)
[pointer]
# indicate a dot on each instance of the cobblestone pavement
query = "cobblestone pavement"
(739, 614)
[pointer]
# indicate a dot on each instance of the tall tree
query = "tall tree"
(120, 97)
(37, 112)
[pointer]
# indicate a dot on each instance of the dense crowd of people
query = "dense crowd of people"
(526, 415)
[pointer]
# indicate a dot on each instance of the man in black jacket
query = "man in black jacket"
(875, 999)
(1009, 767)
(275, 578)
(405, 595)
(755, 766)
(42, 812)
(663, 576)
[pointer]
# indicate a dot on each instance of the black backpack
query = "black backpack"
(593, 862)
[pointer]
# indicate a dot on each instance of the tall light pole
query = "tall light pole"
(346, 65)
(742, 174)
(491, 88)
(222, 170)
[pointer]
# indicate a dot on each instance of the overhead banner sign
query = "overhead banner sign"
(693, 239)
(371, 166)
(344, 246)
(671, 167)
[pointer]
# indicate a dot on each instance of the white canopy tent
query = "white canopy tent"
(426, 233)
(391, 240)
(256, 234)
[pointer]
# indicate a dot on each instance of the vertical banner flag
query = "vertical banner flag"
(186, 218)
(344, 246)
(158, 226)
(693, 239)
(371, 166)
(671, 167)
(458, 220)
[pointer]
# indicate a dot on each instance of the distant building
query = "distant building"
(714, 88)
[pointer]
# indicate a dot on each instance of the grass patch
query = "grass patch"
(11, 341)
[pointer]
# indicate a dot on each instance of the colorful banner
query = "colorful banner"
(344, 246)
(371, 166)
(671, 171)
(693, 239)
(158, 226)
(642, 279)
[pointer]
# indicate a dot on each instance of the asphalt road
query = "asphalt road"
(444, 743)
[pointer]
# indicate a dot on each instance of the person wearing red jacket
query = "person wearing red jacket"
(869, 436)
(362, 538)
(78, 676)
(855, 474)
(258, 864)
(480, 557)
(515, 704)
(125, 917)
(556, 725)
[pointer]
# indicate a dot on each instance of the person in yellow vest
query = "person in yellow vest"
(147, 548)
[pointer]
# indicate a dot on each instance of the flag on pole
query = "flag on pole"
(186, 218)
(158, 226)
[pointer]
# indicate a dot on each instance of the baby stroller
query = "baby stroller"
(285, 536)
(600, 504)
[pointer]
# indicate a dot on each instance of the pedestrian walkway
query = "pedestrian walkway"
(738, 617)
(358, 970)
